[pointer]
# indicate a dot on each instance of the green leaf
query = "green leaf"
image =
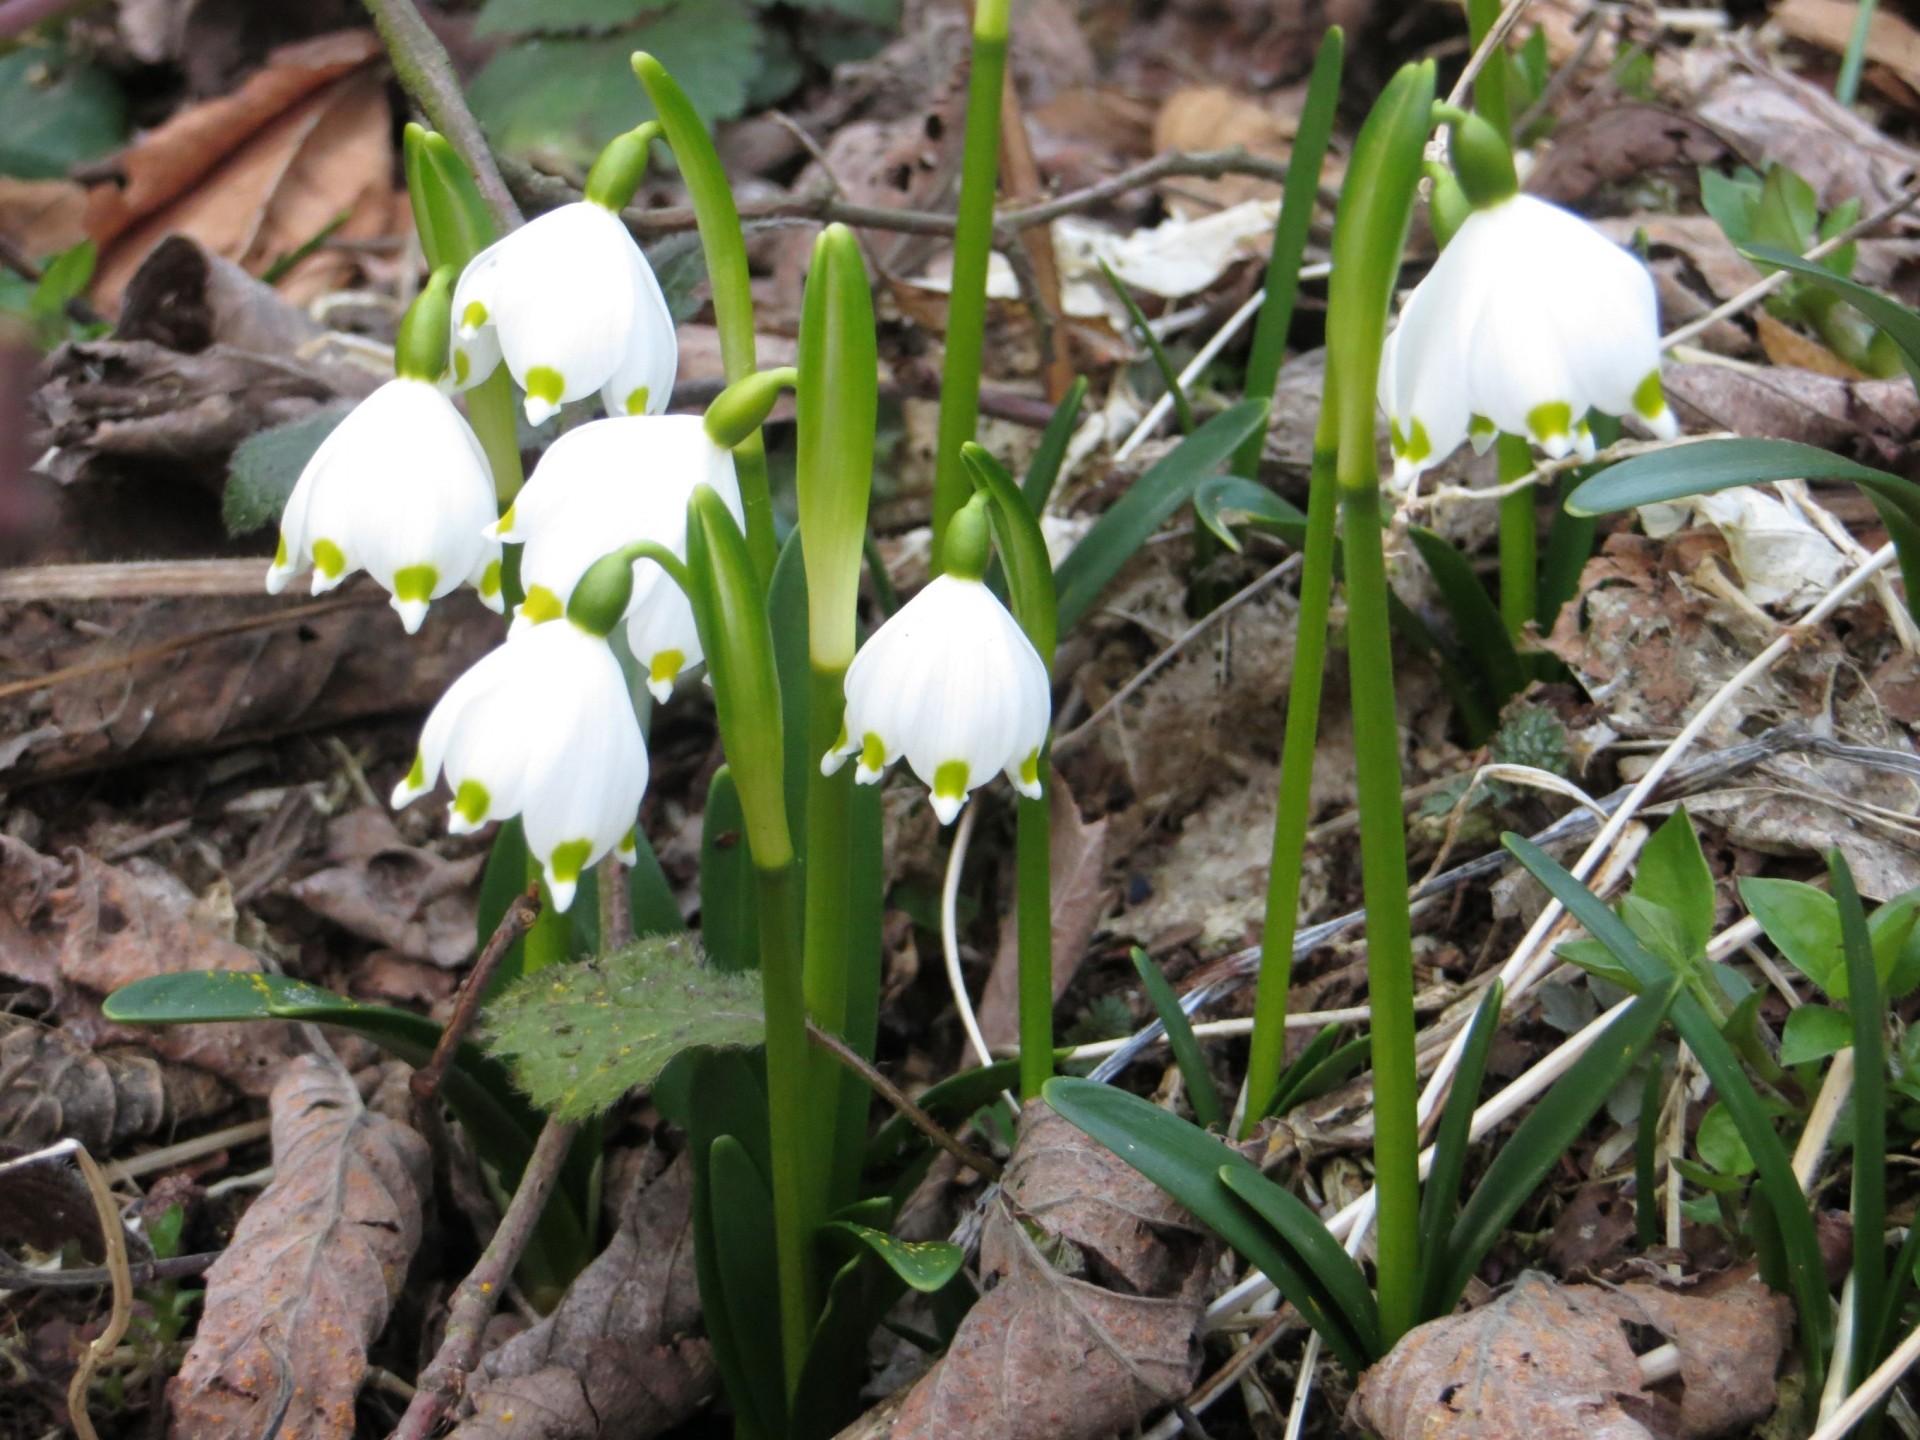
(729, 906)
(1043, 471)
(1869, 1207)
(1541, 1140)
(1295, 1251)
(64, 277)
(1901, 325)
(1804, 926)
(1798, 1242)
(1720, 1145)
(744, 1240)
(1440, 1196)
(1657, 928)
(1813, 1032)
(1319, 1069)
(1023, 550)
(1223, 501)
(924, 1265)
(1117, 535)
(1700, 467)
(56, 113)
(1594, 958)
(581, 1035)
(1476, 619)
(1180, 1038)
(950, 1103)
(1673, 874)
(566, 98)
(265, 466)
(548, 17)
(1169, 372)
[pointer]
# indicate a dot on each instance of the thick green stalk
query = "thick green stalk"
(490, 411)
(1297, 201)
(1519, 539)
(1293, 808)
(1490, 85)
(724, 245)
(972, 248)
(1033, 861)
(796, 1210)
(829, 901)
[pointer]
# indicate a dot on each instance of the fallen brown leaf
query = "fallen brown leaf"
(1730, 1342)
(617, 1357)
(311, 1272)
(42, 217)
(1891, 41)
(1078, 856)
(399, 895)
(1783, 402)
(53, 1087)
(1215, 117)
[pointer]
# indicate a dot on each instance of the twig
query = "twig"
(425, 71)
(478, 1295)
(1224, 1379)
(114, 1236)
(518, 920)
(167, 1156)
(15, 1276)
(1202, 164)
(1871, 1390)
(1494, 38)
(920, 1120)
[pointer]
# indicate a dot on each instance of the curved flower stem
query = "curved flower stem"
(1519, 538)
(724, 245)
(972, 249)
(1294, 805)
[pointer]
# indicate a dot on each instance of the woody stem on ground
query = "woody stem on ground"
(859, 1065)
(425, 72)
(518, 920)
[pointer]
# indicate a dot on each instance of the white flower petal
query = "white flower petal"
(652, 354)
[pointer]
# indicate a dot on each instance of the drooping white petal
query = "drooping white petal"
(661, 631)
(652, 355)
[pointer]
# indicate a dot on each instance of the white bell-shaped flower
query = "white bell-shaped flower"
(606, 485)
(1530, 319)
(572, 306)
(402, 490)
(951, 683)
(542, 727)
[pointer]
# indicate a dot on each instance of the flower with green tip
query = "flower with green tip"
(952, 684)
(606, 485)
(1530, 319)
(402, 490)
(572, 306)
(542, 727)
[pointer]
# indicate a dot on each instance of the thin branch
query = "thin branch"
(114, 1236)
(920, 1120)
(15, 1276)
(518, 920)
(474, 1302)
(426, 73)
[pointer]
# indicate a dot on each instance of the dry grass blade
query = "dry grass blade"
(312, 1271)
(103, 1343)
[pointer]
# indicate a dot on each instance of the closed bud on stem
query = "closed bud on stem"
(600, 599)
(969, 540)
(743, 407)
(420, 352)
(1481, 158)
(454, 222)
(617, 174)
(1448, 206)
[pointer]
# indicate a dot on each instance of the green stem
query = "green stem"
(1293, 808)
(1383, 863)
(724, 246)
(1519, 539)
(550, 941)
(490, 411)
(796, 1210)
(829, 907)
(1490, 85)
(972, 248)
(1033, 860)
(1848, 85)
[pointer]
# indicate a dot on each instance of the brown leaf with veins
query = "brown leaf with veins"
(398, 895)
(311, 1272)
(52, 1086)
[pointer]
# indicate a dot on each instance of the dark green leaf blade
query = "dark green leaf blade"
(1700, 467)
(1043, 471)
(1180, 1038)
(1869, 1119)
(1476, 620)
(1440, 1196)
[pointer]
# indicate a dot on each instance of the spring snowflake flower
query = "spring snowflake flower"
(608, 484)
(542, 727)
(402, 490)
(572, 306)
(953, 684)
(1529, 319)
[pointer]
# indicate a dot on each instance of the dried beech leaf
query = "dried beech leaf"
(311, 1272)
(398, 895)
(1730, 1343)
(618, 1356)
(53, 1087)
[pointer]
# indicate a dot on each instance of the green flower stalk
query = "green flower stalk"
(972, 249)
(1369, 234)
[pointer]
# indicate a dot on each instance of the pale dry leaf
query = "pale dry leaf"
(1730, 1342)
(307, 1282)
(399, 895)
(1078, 853)
(42, 217)
(1216, 117)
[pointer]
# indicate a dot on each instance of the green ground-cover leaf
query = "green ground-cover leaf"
(580, 1036)
(264, 467)
(56, 112)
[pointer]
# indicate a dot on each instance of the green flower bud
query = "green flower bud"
(1480, 158)
(617, 174)
(420, 352)
(743, 407)
(600, 599)
(1448, 206)
(969, 540)
(454, 222)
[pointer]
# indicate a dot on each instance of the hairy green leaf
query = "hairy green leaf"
(265, 466)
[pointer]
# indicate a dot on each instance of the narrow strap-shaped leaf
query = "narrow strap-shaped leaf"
(743, 1233)
(1043, 471)
(1700, 467)
(1118, 535)
(1541, 1139)
(729, 912)
(1440, 1199)
(1224, 501)
(1023, 550)
(1182, 1041)
(1297, 1254)
(1646, 1180)
(859, 1295)
(1869, 1119)
(924, 1265)
(1163, 362)
(1901, 324)
(1476, 620)
(1304, 1082)
(1805, 1267)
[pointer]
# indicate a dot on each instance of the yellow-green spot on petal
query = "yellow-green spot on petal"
(950, 780)
(1551, 419)
(415, 582)
(1419, 446)
(1649, 400)
(280, 553)
(329, 559)
(417, 776)
(474, 316)
(506, 521)
(569, 859)
(462, 367)
(666, 667)
(1030, 769)
(541, 605)
(873, 751)
(1396, 440)
(545, 383)
(1479, 427)
(490, 578)
(471, 801)
(637, 400)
